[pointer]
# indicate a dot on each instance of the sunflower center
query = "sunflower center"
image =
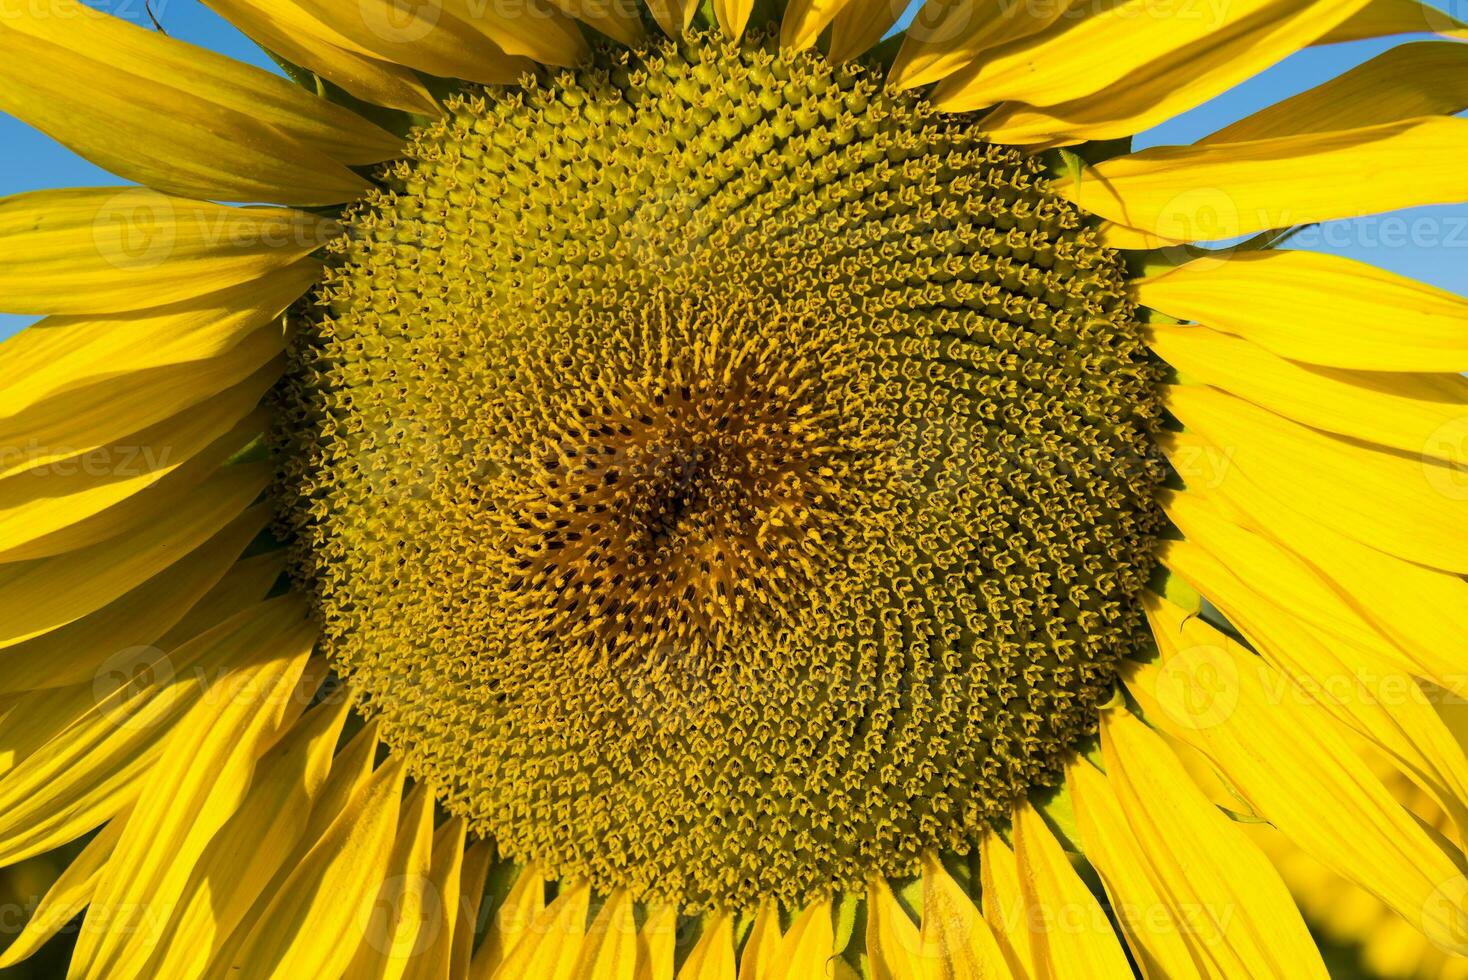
(723, 479)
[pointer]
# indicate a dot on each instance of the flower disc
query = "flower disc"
(723, 479)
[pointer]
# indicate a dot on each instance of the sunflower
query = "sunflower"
(665, 491)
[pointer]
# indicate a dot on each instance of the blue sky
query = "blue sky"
(1428, 243)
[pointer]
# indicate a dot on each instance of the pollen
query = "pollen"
(723, 478)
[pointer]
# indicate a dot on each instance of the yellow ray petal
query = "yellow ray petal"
(894, 945)
(47, 593)
(302, 40)
(110, 490)
(1070, 935)
(1155, 928)
(312, 924)
(80, 754)
(804, 21)
(1229, 189)
(1401, 411)
(1320, 309)
(445, 876)
(200, 780)
(1383, 18)
(1371, 692)
(1393, 503)
(159, 60)
(1423, 610)
(241, 859)
(1429, 78)
(1003, 902)
(733, 16)
(810, 945)
(712, 957)
(1231, 908)
(1327, 802)
(522, 906)
(1237, 45)
(452, 38)
(673, 16)
(394, 934)
(151, 111)
(75, 653)
(115, 249)
(957, 943)
(946, 35)
(860, 24)
(1128, 53)
(67, 897)
(248, 582)
(618, 20)
(479, 858)
(610, 949)
(757, 962)
(63, 354)
(549, 946)
(657, 943)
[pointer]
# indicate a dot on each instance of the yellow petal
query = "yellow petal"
(620, 23)
(302, 40)
(313, 923)
(521, 907)
(47, 593)
(1070, 935)
(733, 16)
(248, 582)
(80, 754)
(657, 943)
(67, 897)
(946, 35)
(894, 945)
(75, 653)
(1231, 908)
(174, 117)
(1233, 47)
(241, 859)
(810, 945)
(550, 945)
(1429, 78)
(70, 354)
(1422, 610)
(1224, 190)
(1131, 56)
(478, 860)
(610, 949)
(761, 949)
(1382, 18)
(452, 38)
(1320, 309)
(1395, 504)
(1155, 928)
(860, 24)
(199, 781)
(957, 943)
(1323, 797)
(1368, 689)
(804, 21)
(110, 490)
(445, 875)
(395, 932)
(1401, 411)
(712, 957)
(673, 16)
(1003, 902)
(115, 249)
